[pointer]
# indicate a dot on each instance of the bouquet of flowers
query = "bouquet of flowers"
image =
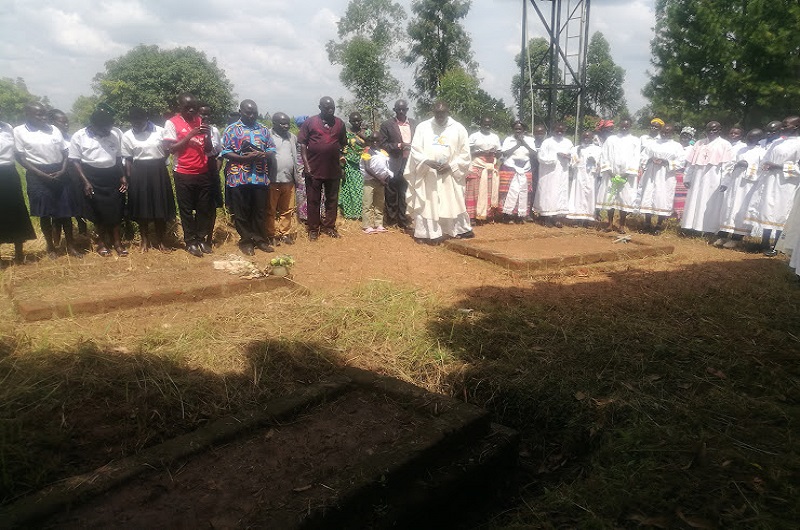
(281, 265)
(617, 183)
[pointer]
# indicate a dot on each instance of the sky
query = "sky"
(272, 51)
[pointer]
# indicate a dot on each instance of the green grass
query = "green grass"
(666, 399)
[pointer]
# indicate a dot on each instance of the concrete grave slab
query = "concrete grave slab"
(541, 252)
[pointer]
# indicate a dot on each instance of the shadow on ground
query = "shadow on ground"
(660, 399)
(65, 413)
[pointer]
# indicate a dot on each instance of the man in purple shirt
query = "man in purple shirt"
(321, 140)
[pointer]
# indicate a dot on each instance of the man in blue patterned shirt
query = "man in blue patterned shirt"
(250, 149)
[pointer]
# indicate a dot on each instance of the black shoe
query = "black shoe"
(263, 246)
(771, 253)
(205, 248)
(247, 249)
(194, 250)
(332, 233)
(313, 235)
(287, 240)
(466, 235)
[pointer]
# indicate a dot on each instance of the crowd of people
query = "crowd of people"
(432, 179)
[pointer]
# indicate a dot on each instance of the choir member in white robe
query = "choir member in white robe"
(621, 156)
(708, 161)
(738, 185)
(736, 138)
(584, 169)
(790, 239)
(661, 160)
(483, 181)
(552, 189)
(519, 153)
(777, 184)
(435, 172)
(656, 124)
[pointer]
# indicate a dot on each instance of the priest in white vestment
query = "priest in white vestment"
(619, 161)
(435, 172)
(585, 167)
(552, 188)
(661, 160)
(708, 161)
(738, 185)
(777, 184)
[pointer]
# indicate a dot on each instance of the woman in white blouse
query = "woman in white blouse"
(95, 151)
(41, 150)
(15, 223)
(150, 197)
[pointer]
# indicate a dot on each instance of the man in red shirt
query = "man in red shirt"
(188, 140)
(321, 140)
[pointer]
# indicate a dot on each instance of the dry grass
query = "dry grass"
(664, 393)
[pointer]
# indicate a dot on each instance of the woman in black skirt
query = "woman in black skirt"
(15, 224)
(150, 196)
(58, 119)
(42, 151)
(95, 151)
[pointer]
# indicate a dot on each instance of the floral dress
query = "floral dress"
(351, 195)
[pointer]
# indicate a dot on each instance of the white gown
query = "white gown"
(585, 165)
(740, 182)
(436, 201)
(774, 191)
(707, 162)
(552, 189)
(621, 156)
(656, 192)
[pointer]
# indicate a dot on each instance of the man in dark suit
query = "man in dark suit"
(395, 138)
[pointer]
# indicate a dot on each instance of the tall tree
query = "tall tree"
(82, 109)
(369, 33)
(604, 95)
(438, 43)
(723, 60)
(151, 78)
(469, 102)
(14, 96)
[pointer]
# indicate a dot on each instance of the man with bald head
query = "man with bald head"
(281, 204)
(250, 150)
(710, 159)
(436, 171)
(322, 138)
(395, 138)
(778, 180)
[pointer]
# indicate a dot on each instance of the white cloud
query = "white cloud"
(273, 51)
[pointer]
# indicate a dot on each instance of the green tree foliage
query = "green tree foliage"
(469, 102)
(534, 71)
(439, 44)
(82, 109)
(369, 33)
(604, 95)
(14, 96)
(151, 78)
(729, 61)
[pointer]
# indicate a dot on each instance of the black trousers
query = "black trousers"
(249, 206)
(195, 206)
(314, 189)
(395, 193)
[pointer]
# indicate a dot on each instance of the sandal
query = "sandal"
(121, 251)
(103, 251)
